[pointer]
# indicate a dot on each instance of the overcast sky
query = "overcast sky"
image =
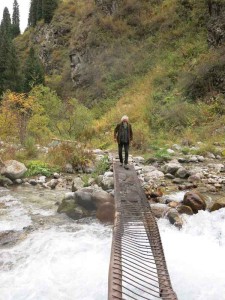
(24, 6)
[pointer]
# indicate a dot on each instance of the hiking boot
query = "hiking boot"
(121, 164)
(126, 167)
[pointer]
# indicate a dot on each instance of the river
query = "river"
(58, 258)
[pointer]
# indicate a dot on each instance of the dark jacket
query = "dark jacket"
(118, 131)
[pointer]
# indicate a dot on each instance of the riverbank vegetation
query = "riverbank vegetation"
(159, 62)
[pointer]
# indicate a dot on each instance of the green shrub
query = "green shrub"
(101, 167)
(37, 167)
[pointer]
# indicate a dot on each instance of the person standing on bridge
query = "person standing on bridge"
(123, 135)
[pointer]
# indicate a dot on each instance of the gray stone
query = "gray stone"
(108, 174)
(69, 196)
(138, 159)
(159, 210)
(69, 169)
(169, 176)
(210, 155)
(107, 183)
(85, 200)
(200, 158)
(13, 169)
(193, 159)
(52, 183)
(41, 179)
(156, 174)
(171, 167)
(77, 184)
(56, 175)
(19, 181)
(182, 160)
(4, 181)
(177, 180)
(182, 173)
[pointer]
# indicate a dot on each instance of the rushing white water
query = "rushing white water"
(62, 263)
(195, 255)
(67, 260)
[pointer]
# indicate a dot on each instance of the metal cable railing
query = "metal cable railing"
(138, 268)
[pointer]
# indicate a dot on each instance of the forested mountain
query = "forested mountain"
(160, 61)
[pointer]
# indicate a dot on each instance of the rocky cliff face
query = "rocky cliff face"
(216, 24)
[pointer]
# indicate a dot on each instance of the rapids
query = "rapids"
(63, 259)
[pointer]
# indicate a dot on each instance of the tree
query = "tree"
(48, 9)
(32, 20)
(15, 19)
(15, 112)
(9, 63)
(33, 72)
(6, 25)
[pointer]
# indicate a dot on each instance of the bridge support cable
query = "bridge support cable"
(138, 268)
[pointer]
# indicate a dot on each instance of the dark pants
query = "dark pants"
(126, 149)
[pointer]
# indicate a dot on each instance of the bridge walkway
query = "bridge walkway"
(138, 268)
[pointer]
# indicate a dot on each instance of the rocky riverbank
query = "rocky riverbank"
(200, 177)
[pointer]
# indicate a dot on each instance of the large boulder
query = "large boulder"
(13, 169)
(105, 212)
(218, 204)
(195, 201)
(85, 200)
(70, 208)
(101, 197)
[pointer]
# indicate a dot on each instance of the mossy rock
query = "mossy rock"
(72, 210)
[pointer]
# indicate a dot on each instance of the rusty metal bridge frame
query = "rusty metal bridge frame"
(138, 268)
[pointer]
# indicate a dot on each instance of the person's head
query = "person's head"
(124, 119)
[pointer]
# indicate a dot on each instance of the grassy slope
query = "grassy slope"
(142, 63)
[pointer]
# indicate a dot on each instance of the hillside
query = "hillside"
(159, 61)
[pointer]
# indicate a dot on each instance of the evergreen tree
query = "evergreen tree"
(39, 10)
(33, 72)
(15, 19)
(32, 20)
(9, 65)
(6, 26)
(48, 9)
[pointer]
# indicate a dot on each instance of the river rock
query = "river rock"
(69, 196)
(218, 204)
(107, 183)
(175, 218)
(85, 200)
(13, 169)
(138, 159)
(159, 210)
(184, 209)
(69, 207)
(105, 212)
(101, 197)
(10, 237)
(154, 175)
(171, 167)
(182, 173)
(52, 183)
(173, 204)
(195, 201)
(77, 184)
(4, 181)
